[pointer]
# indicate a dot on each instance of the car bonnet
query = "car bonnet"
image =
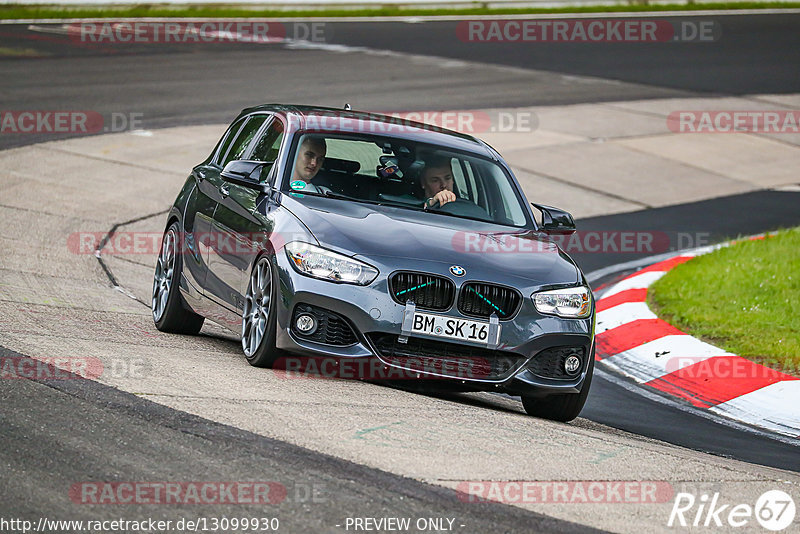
(408, 239)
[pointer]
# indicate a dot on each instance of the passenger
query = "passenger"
(437, 182)
(310, 155)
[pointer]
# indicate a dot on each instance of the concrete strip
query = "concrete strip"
(598, 121)
(639, 177)
(577, 200)
(55, 180)
(664, 106)
(512, 141)
(175, 150)
(744, 159)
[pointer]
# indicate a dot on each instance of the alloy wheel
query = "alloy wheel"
(256, 307)
(162, 280)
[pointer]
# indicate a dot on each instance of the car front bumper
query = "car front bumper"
(370, 311)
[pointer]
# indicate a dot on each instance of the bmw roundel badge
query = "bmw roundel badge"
(458, 270)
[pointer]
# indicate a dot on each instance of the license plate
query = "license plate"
(452, 328)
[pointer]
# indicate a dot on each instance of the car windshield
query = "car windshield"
(404, 174)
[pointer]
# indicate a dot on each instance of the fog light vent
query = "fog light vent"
(562, 363)
(322, 326)
(306, 324)
(572, 365)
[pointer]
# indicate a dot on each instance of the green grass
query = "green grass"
(744, 298)
(22, 11)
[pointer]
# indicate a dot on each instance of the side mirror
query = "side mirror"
(555, 221)
(246, 173)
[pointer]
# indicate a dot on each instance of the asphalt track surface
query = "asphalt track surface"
(745, 55)
(172, 85)
(112, 431)
(178, 84)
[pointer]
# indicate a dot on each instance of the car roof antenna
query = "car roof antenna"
(347, 107)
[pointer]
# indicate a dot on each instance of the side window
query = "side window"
(267, 147)
(225, 143)
(243, 139)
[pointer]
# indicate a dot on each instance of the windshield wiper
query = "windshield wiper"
(330, 194)
(382, 202)
(440, 212)
(339, 196)
(394, 204)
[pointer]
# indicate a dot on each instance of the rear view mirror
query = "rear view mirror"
(389, 168)
(555, 221)
(246, 173)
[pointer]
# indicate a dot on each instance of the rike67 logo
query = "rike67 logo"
(774, 510)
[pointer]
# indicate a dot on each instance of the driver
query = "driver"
(310, 155)
(437, 182)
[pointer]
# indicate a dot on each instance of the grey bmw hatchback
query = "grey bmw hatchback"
(381, 249)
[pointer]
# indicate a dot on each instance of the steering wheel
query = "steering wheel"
(462, 207)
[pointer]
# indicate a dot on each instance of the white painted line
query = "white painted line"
(635, 281)
(703, 250)
(622, 314)
(774, 407)
(662, 356)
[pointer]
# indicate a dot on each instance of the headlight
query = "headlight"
(318, 262)
(571, 302)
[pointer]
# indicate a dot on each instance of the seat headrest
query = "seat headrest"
(341, 165)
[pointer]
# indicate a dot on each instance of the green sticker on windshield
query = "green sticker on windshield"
(298, 185)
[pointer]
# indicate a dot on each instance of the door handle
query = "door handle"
(224, 190)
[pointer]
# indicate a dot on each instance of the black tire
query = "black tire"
(260, 352)
(564, 407)
(171, 315)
